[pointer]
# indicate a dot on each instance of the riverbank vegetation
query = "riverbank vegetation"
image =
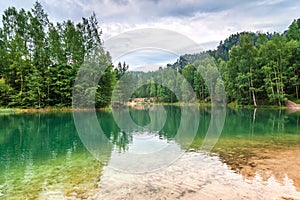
(40, 60)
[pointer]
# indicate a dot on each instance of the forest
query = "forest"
(255, 68)
(41, 59)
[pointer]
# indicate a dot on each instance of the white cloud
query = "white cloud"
(146, 59)
(208, 28)
(206, 21)
(146, 46)
(269, 2)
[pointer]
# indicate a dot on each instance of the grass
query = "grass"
(47, 109)
(297, 101)
(9, 110)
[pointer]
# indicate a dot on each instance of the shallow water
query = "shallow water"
(192, 176)
(162, 152)
(42, 152)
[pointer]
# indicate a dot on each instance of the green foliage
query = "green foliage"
(40, 60)
(293, 32)
(121, 70)
(5, 93)
(256, 68)
(105, 87)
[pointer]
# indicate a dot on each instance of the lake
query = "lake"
(156, 152)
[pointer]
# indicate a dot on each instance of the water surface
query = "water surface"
(42, 155)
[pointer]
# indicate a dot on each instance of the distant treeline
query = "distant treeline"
(256, 69)
(39, 62)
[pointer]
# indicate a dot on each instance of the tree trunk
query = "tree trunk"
(254, 99)
(277, 88)
(272, 89)
(22, 82)
(39, 98)
(252, 91)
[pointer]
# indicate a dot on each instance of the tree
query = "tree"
(5, 93)
(186, 93)
(121, 69)
(294, 69)
(275, 68)
(105, 87)
(248, 64)
(188, 72)
(40, 51)
(242, 71)
(153, 88)
(293, 32)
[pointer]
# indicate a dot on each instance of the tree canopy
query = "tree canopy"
(39, 62)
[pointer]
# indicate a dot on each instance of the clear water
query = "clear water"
(42, 154)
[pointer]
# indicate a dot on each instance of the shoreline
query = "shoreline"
(70, 109)
(48, 110)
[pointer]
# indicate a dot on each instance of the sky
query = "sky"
(206, 22)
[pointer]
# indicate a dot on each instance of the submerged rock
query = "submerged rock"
(193, 176)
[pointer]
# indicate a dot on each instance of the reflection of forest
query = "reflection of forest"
(240, 123)
(43, 133)
(41, 152)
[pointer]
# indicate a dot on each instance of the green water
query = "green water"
(43, 152)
